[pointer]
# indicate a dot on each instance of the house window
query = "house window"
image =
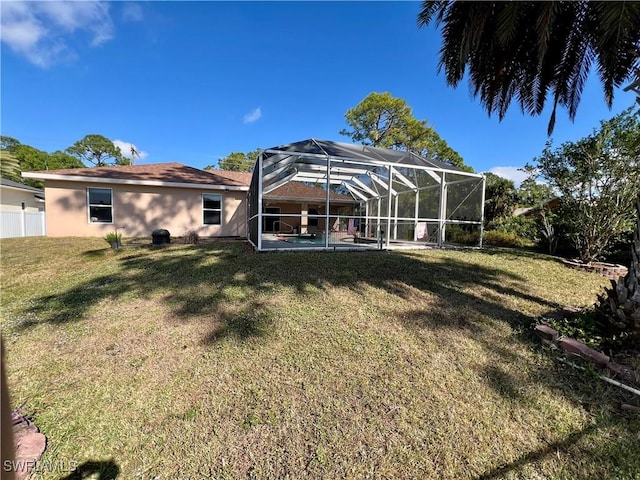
(100, 201)
(211, 209)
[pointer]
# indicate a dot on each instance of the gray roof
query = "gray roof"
(10, 183)
(358, 168)
(358, 152)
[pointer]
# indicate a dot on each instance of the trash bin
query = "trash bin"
(410, 234)
(160, 237)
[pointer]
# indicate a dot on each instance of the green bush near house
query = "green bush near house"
(459, 235)
(526, 227)
(494, 238)
(113, 238)
(497, 238)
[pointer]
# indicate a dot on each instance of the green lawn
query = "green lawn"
(206, 361)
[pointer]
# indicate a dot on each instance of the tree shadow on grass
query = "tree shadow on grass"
(618, 452)
(202, 280)
(98, 470)
(537, 455)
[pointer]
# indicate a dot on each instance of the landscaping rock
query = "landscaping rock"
(571, 310)
(29, 444)
(609, 270)
(630, 408)
(24, 427)
(29, 448)
(575, 347)
(546, 332)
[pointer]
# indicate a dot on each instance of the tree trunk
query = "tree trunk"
(621, 305)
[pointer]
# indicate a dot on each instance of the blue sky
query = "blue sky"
(193, 81)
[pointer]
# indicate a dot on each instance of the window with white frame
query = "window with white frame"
(100, 204)
(211, 209)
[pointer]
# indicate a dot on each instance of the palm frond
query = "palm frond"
(507, 25)
(530, 51)
(616, 27)
(9, 166)
(544, 26)
(431, 9)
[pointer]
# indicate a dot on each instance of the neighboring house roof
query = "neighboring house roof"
(159, 174)
(301, 191)
(19, 186)
(242, 177)
(548, 205)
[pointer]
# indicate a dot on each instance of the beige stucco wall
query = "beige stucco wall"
(12, 199)
(140, 209)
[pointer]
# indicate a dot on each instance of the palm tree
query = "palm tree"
(530, 51)
(9, 166)
(525, 50)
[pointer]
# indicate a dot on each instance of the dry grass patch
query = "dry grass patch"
(196, 361)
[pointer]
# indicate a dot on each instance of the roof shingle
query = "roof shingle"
(301, 191)
(159, 172)
(10, 183)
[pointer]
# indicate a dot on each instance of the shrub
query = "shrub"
(497, 238)
(457, 234)
(598, 179)
(522, 226)
(583, 326)
(113, 238)
(620, 250)
(191, 236)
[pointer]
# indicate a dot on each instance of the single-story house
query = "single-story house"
(176, 197)
(18, 196)
(331, 192)
(21, 210)
(548, 205)
(90, 202)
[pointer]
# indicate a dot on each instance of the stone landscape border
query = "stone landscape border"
(576, 348)
(612, 271)
(29, 445)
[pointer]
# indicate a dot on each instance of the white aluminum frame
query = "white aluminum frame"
(348, 171)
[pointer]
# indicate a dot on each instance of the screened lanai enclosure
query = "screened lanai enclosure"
(318, 194)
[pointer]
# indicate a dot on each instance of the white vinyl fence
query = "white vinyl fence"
(19, 223)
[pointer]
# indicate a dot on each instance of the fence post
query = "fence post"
(23, 224)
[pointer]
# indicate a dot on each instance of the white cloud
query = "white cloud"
(37, 30)
(252, 116)
(132, 12)
(511, 173)
(125, 148)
